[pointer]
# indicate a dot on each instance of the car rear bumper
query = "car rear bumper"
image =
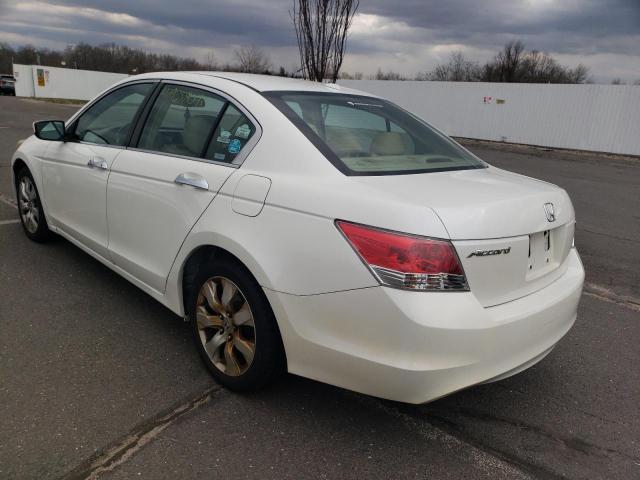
(417, 346)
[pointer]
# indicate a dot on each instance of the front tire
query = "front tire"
(30, 208)
(233, 326)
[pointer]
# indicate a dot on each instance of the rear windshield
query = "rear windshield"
(369, 136)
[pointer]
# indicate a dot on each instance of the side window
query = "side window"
(110, 120)
(181, 121)
(232, 133)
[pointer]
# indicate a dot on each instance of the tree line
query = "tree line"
(512, 64)
(123, 59)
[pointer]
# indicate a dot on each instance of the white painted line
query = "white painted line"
(9, 222)
(4, 127)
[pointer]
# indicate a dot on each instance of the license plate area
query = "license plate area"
(541, 258)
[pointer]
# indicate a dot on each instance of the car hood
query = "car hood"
(480, 203)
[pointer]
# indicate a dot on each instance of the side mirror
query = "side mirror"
(52, 130)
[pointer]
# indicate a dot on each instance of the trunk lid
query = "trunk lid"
(498, 222)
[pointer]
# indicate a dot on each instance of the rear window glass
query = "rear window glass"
(369, 136)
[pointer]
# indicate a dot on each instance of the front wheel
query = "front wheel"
(30, 207)
(234, 327)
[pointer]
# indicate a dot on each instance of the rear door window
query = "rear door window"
(181, 121)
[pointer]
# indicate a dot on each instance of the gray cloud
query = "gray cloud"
(261, 22)
(571, 26)
(410, 35)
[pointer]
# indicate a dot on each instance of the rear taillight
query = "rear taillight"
(406, 261)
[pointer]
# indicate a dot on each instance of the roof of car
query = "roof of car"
(261, 83)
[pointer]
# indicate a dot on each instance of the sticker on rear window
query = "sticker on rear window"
(243, 131)
(219, 156)
(224, 136)
(234, 146)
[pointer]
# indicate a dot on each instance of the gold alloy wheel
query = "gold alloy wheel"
(226, 326)
(28, 203)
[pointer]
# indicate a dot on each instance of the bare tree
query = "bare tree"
(580, 74)
(537, 67)
(637, 82)
(506, 65)
(514, 64)
(348, 76)
(457, 69)
(210, 62)
(388, 75)
(252, 59)
(321, 29)
(617, 81)
(461, 69)
(508, 60)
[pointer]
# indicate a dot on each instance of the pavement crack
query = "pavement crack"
(604, 234)
(525, 468)
(488, 461)
(130, 444)
(559, 402)
(571, 443)
(609, 296)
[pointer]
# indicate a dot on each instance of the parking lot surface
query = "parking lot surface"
(97, 380)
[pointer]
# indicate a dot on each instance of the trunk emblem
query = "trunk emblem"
(486, 253)
(550, 212)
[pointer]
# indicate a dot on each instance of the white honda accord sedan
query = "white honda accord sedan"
(309, 228)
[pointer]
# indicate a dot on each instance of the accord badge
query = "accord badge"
(486, 253)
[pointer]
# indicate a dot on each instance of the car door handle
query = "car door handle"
(98, 163)
(192, 179)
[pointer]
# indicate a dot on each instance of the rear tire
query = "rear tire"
(233, 326)
(30, 208)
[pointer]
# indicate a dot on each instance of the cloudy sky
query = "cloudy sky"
(407, 36)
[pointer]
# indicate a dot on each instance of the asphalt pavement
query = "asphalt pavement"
(97, 380)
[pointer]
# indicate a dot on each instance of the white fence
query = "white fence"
(53, 82)
(603, 118)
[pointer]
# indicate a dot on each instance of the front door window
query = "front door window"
(109, 121)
